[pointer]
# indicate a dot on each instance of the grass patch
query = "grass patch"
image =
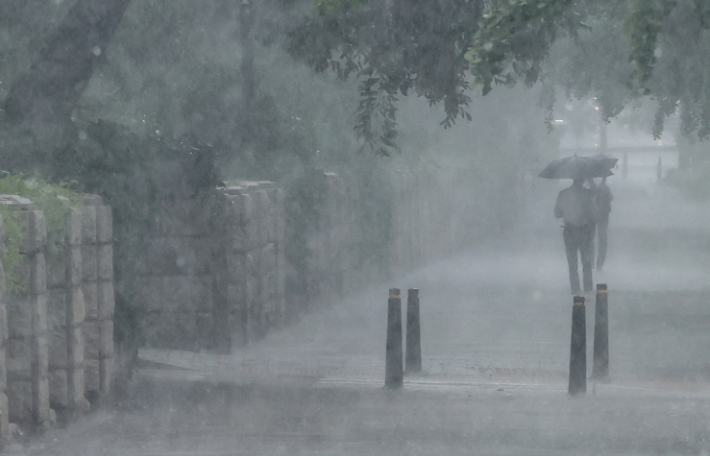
(53, 199)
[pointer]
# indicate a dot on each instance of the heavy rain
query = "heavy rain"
(354, 227)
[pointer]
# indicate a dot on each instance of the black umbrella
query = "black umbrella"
(576, 167)
(609, 162)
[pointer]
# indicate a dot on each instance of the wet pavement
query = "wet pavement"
(495, 343)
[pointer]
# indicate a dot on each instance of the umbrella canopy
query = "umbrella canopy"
(575, 167)
(609, 162)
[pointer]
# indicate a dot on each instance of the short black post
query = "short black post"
(394, 369)
(600, 366)
(413, 359)
(578, 349)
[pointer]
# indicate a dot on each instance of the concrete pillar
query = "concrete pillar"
(27, 343)
(257, 309)
(238, 240)
(65, 319)
(105, 296)
(90, 328)
(99, 300)
(280, 243)
(38, 299)
(75, 312)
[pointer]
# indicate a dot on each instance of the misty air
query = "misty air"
(354, 227)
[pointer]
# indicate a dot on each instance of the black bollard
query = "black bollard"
(600, 365)
(394, 371)
(578, 349)
(413, 360)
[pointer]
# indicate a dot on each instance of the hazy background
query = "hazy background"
(181, 80)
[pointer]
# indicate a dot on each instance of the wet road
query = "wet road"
(315, 421)
(495, 343)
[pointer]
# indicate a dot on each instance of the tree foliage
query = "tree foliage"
(514, 40)
(665, 46)
(392, 48)
(617, 51)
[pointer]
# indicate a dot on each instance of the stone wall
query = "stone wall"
(330, 244)
(213, 270)
(27, 344)
(172, 282)
(426, 224)
(211, 274)
(253, 243)
(66, 316)
(97, 284)
(59, 326)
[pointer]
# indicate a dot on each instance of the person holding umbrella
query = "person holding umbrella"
(603, 197)
(576, 207)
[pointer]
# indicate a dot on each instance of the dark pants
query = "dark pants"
(579, 239)
(602, 230)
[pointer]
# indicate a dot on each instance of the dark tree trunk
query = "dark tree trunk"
(50, 90)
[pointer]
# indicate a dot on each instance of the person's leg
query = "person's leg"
(602, 229)
(571, 249)
(586, 250)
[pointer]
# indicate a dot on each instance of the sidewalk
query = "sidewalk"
(501, 315)
(495, 325)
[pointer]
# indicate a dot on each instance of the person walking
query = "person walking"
(603, 197)
(576, 207)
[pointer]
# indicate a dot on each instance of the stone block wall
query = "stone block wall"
(66, 318)
(173, 267)
(213, 270)
(428, 225)
(253, 243)
(97, 285)
(425, 227)
(52, 337)
(27, 354)
(329, 245)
